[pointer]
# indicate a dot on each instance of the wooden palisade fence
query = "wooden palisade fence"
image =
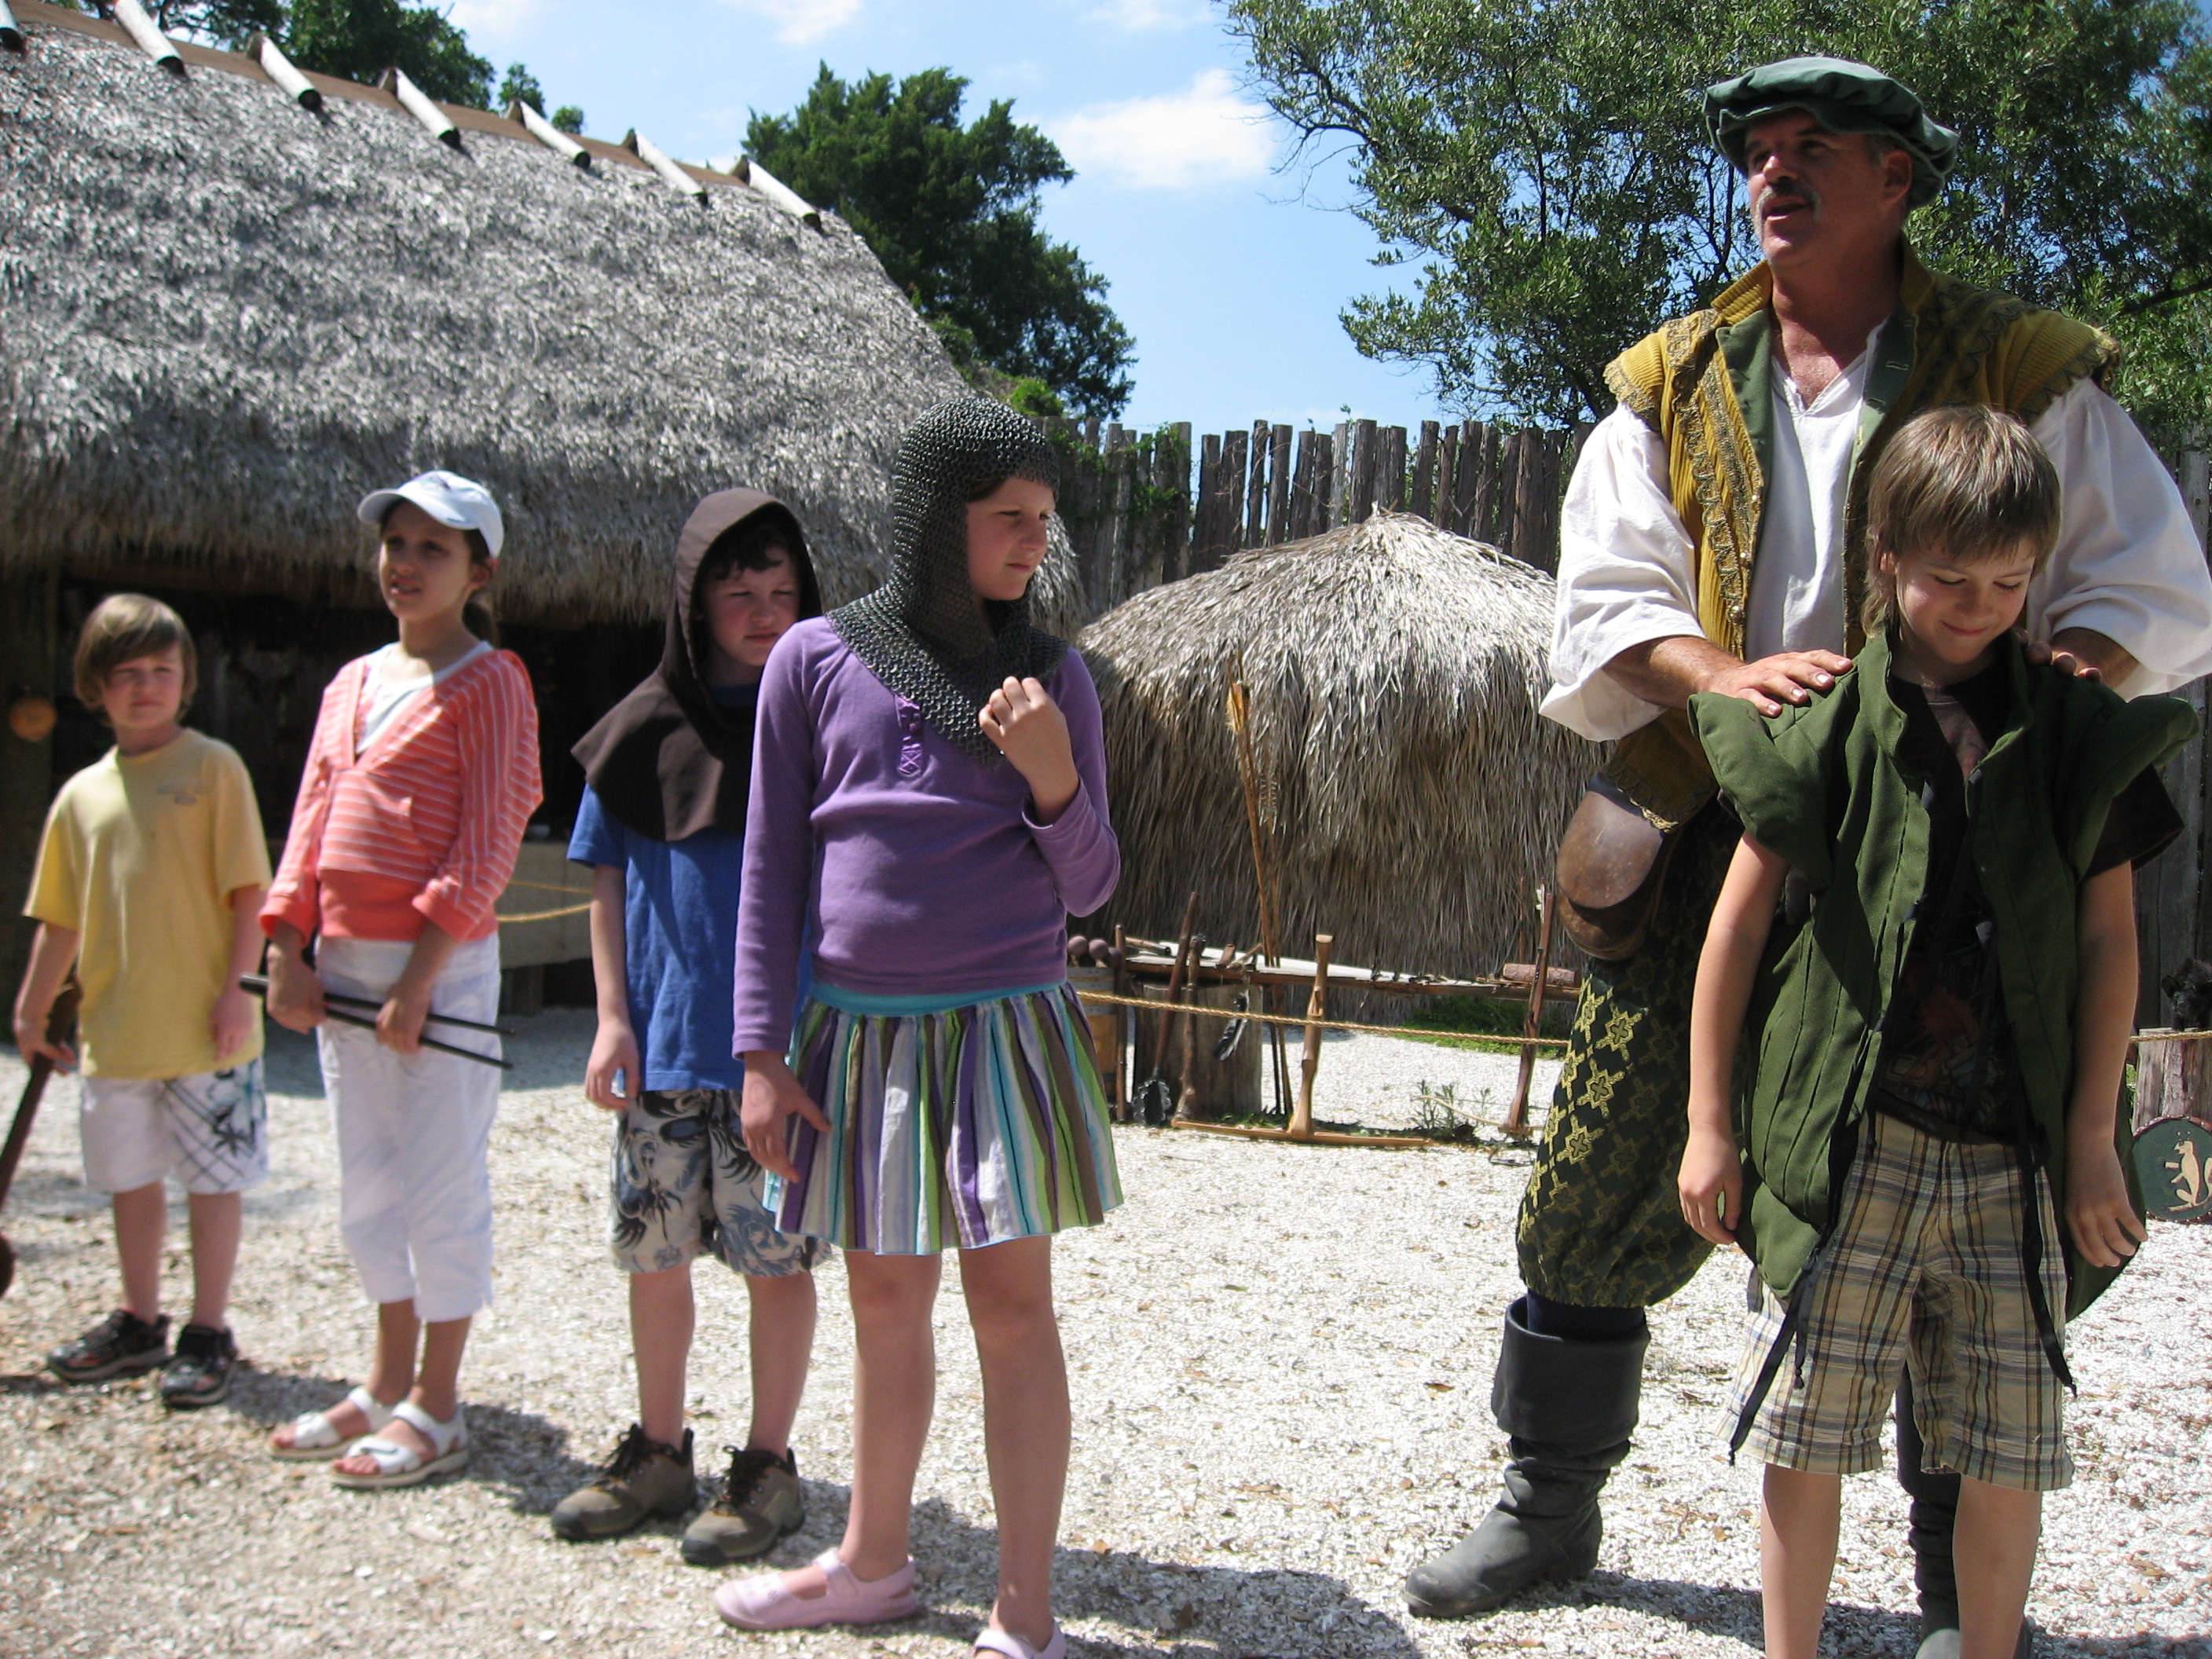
(1136, 515)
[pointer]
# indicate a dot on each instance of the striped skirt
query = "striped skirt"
(951, 1124)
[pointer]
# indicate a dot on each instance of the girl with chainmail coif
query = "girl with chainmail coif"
(662, 823)
(929, 780)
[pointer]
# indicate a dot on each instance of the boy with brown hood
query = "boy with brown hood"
(662, 824)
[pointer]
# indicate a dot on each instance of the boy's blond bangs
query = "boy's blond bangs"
(122, 627)
(1968, 482)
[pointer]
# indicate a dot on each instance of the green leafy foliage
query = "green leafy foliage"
(1545, 163)
(951, 211)
(220, 22)
(361, 39)
(520, 86)
(568, 118)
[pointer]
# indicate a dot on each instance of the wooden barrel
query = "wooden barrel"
(1217, 1088)
(1105, 1022)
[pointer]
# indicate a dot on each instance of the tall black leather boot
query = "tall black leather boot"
(1568, 1408)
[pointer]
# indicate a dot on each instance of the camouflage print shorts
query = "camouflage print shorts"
(684, 1185)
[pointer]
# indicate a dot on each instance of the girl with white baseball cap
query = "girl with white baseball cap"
(420, 778)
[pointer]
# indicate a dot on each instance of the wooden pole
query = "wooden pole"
(1424, 473)
(1390, 471)
(1340, 475)
(1122, 1023)
(1516, 1115)
(1446, 518)
(1317, 1008)
(1363, 472)
(1174, 549)
(1256, 492)
(1279, 485)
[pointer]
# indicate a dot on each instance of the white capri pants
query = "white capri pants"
(414, 1131)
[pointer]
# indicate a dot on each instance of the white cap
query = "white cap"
(449, 498)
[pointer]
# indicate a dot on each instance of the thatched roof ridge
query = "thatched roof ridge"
(1395, 671)
(223, 318)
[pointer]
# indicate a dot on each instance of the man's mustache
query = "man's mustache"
(1786, 195)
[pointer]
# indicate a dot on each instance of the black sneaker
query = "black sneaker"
(121, 1342)
(199, 1374)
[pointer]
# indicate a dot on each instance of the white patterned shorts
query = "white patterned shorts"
(211, 1130)
(684, 1185)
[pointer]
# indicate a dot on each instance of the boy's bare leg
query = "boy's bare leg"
(1025, 1421)
(1798, 1518)
(217, 1220)
(780, 1335)
(142, 1215)
(661, 1316)
(1998, 1531)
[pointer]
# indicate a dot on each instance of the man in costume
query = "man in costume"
(1713, 540)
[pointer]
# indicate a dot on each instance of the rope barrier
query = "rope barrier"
(2156, 1036)
(548, 887)
(543, 915)
(1411, 1034)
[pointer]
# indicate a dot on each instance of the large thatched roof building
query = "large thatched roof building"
(224, 317)
(1417, 796)
(227, 317)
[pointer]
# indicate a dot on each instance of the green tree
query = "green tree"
(1545, 166)
(569, 119)
(220, 22)
(361, 39)
(520, 87)
(951, 211)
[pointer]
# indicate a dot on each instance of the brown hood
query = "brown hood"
(668, 761)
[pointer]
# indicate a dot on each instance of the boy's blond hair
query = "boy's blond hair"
(1968, 482)
(122, 627)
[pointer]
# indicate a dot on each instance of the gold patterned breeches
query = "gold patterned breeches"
(1602, 1223)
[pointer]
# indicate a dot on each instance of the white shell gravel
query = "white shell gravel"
(1281, 1359)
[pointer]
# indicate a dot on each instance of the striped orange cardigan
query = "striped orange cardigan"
(424, 824)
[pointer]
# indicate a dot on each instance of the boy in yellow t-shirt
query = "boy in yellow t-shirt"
(151, 879)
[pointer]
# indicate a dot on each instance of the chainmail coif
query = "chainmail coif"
(922, 632)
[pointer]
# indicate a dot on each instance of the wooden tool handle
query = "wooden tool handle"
(61, 1027)
(1317, 1007)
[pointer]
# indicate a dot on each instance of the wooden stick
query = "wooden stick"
(258, 985)
(1318, 1138)
(1121, 1088)
(1316, 1006)
(1516, 1115)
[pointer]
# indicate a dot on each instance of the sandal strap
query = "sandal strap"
(1005, 1642)
(370, 1406)
(312, 1430)
(442, 1436)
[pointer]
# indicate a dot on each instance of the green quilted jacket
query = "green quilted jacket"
(1822, 786)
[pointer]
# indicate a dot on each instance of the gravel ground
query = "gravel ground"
(1281, 1357)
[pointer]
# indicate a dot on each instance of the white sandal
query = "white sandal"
(313, 1439)
(403, 1466)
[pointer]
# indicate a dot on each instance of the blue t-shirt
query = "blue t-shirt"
(679, 938)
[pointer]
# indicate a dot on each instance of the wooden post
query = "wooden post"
(1424, 473)
(1516, 1115)
(1202, 513)
(1278, 485)
(1317, 1008)
(1256, 493)
(1444, 518)
(1482, 510)
(1122, 1025)
(1390, 471)
(1229, 520)
(1363, 472)
(1119, 557)
(1340, 475)
(1175, 474)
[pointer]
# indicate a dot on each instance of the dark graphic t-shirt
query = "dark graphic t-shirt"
(1947, 1062)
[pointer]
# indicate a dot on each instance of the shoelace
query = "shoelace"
(636, 1450)
(748, 1467)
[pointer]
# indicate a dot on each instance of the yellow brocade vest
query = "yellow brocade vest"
(1704, 384)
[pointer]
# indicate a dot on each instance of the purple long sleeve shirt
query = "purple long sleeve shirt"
(925, 870)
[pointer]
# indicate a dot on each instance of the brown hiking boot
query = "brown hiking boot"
(644, 1479)
(760, 1502)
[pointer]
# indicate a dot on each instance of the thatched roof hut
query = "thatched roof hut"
(224, 317)
(1395, 673)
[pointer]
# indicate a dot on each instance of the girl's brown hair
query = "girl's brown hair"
(1967, 483)
(122, 627)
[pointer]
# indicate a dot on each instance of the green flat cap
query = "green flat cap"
(1842, 96)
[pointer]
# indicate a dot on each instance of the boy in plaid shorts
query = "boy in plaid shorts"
(1931, 923)
(662, 823)
(149, 882)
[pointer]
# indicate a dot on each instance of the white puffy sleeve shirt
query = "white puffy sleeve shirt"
(2127, 564)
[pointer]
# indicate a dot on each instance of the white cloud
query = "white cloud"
(495, 17)
(1208, 134)
(1140, 16)
(798, 22)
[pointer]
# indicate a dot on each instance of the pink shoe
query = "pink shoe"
(762, 1602)
(1005, 1642)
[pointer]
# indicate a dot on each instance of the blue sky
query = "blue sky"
(1229, 271)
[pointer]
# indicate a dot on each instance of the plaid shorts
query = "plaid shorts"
(684, 1185)
(1924, 1269)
